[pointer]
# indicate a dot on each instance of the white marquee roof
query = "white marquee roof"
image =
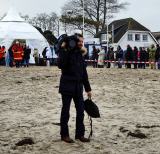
(13, 16)
(19, 30)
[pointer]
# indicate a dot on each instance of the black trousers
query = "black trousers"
(79, 104)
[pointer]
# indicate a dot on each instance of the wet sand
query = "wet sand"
(129, 102)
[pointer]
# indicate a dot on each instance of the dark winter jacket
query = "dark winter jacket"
(119, 54)
(157, 55)
(135, 54)
(110, 54)
(74, 74)
(143, 56)
(10, 52)
(129, 54)
(27, 53)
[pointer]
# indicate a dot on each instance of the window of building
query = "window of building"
(137, 37)
(130, 37)
(145, 37)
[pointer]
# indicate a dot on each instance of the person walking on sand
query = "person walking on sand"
(74, 77)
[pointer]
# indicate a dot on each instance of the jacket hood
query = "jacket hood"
(84, 51)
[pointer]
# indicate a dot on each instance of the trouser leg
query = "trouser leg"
(66, 103)
(159, 63)
(27, 62)
(79, 104)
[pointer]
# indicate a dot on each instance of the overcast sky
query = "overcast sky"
(147, 12)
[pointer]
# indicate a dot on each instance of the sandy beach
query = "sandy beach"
(129, 103)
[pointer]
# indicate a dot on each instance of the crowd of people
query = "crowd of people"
(136, 57)
(17, 55)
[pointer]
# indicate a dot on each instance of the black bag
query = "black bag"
(91, 108)
(93, 112)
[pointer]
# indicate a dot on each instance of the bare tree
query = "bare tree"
(45, 22)
(96, 13)
(25, 17)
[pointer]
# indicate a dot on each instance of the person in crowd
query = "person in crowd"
(143, 56)
(48, 57)
(152, 52)
(74, 77)
(7, 59)
(115, 57)
(124, 58)
(36, 56)
(139, 58)
(95, 57)
(136, 57)
(11, 57)
(129, 56)
(2, 55)
(101, 58)
(110, 56)
(18, 54)
(27, 53)
(147, 57)
(119, 56)
(157, 56)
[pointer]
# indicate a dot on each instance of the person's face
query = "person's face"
(80, 42)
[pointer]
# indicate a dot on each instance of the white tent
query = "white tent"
(13, 27)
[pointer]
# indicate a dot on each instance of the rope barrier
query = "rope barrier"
(122, 62)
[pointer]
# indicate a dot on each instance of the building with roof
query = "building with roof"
(157, 36)
(130, 32)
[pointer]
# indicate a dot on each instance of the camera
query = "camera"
(70, 42)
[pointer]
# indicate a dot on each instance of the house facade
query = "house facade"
(130, 32)
(136, 38)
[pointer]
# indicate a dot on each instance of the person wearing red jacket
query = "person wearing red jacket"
(2, 54)
(18, 54)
